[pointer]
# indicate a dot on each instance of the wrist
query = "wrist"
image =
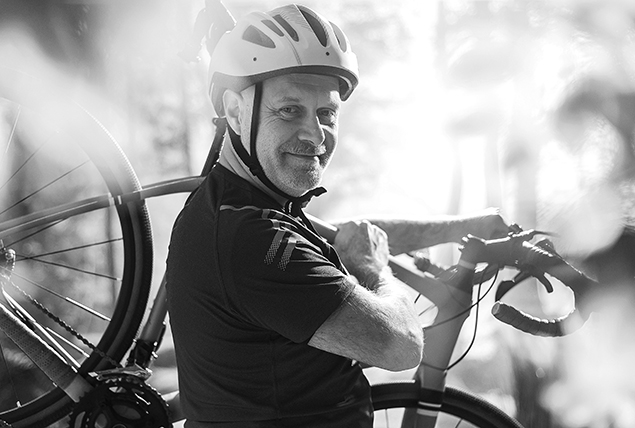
(373, 278)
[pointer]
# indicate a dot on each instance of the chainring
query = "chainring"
(121, 402)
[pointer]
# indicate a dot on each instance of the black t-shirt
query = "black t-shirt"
(248, 285)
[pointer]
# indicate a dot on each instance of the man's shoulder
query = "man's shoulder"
(252, 219)
(266, 231)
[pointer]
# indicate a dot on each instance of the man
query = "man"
(269, 325)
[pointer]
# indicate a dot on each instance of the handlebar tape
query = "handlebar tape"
(530, 324)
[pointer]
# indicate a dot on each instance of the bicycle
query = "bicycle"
(78, 341)
(78, 338)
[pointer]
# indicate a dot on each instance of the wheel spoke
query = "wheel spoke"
(65, 250)
(42, 188)
(14, 126)
(73, 268)
(62, 297)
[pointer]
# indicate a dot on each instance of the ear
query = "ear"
(233, 102)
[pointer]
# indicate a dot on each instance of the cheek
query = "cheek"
(267, 152)
(331, 141)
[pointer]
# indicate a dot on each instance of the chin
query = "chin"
(299, 188)
(297, 192)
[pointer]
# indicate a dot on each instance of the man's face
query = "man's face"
(298, 130)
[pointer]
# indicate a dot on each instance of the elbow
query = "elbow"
(405, 352)
(414, 351)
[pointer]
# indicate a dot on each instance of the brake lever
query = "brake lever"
(507, 285)
(528, 271)
(545, 282)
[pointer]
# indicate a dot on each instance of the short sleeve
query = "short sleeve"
(282, 281)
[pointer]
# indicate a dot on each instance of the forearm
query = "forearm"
(406, 341)
(410, 235)
(378, 327)
(398, 311)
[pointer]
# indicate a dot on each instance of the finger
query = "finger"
(378, 232)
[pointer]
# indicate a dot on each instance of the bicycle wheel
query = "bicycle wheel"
(459, 409)
(82, 277)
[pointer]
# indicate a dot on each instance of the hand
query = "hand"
(488, 224)
(363, 248)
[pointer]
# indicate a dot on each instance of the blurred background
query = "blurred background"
(526, 105)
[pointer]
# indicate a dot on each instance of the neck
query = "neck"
(230, 160)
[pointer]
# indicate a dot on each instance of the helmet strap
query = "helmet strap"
(255, 120)
(250, 159)
(217, 145)
(241, 151)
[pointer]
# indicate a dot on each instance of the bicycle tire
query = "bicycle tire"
(461, 408)
(106, 170)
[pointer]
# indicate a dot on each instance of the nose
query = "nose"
(312, 131)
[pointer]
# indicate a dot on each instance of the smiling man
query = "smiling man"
(268, 324)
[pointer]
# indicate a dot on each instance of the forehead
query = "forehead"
(302, 86)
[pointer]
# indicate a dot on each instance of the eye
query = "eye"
(327, 116)
(289, 111)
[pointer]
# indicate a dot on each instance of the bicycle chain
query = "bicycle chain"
(65, 326)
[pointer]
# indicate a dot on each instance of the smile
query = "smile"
(304, 159)
(306, 155)
(307, 152)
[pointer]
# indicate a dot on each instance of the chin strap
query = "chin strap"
(251, 159)
(251, 162)
(294, 206)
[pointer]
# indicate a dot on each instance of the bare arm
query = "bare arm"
(377, 324)
(410, 235)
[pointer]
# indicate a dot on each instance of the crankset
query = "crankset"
(121, 402)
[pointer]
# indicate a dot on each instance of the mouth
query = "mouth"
(305, 157)
(312, 155)
(316, 153)
(305, 160)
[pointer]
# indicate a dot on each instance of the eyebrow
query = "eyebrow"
(333, 104)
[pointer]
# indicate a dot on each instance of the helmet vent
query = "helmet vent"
(256, 36)
(315, 25)
(288, 28)
(273, 27)
(341, 38)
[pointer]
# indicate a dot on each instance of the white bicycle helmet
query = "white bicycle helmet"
(289, 39)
